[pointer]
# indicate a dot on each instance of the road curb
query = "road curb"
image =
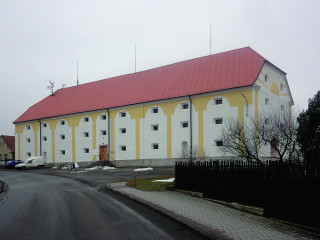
(1, 186)
(193, 225)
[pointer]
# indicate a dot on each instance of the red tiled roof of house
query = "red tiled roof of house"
(232, 69)
(9, 140)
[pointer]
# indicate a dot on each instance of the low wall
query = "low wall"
(145, 163)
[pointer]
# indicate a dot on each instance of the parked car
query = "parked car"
(33, 162)
(13, 163)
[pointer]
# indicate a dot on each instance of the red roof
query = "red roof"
(232, 69)
(9, 140)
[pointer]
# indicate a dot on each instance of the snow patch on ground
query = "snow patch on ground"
(165, 180)
(63, 168)
(142, 169)
(93, 168)
(79, 172)
(54, 167)
(108, 168)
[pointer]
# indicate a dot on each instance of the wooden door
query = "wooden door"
(103, 153)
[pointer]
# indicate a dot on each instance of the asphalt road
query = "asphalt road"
(47, 204)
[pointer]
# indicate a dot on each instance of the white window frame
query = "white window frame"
(62, 122)
(62, 152)
(217, 101)
(266, 101)
(216, 120)
(62, 136)
(103, 117)
(182, 124)
(123, 130)
(86, 119)
(102, 132)
(155, 146)
(184, 105)
(86, 134)
(155, 110)
(123, 114)
(155, 126)
(219, 141)
(123, 148)
(86, 150)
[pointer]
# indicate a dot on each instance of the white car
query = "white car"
(33, 162)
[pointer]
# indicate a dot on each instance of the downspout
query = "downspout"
(40, 139)
(190, 116)
(109, 144)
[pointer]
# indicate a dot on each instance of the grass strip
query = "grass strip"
(146, 184)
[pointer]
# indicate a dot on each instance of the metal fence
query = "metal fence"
(280, 187)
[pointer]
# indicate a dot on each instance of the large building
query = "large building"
(151, 117)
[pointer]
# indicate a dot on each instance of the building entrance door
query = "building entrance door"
(103, 156)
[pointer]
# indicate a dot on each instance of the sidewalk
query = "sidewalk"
(213, 219)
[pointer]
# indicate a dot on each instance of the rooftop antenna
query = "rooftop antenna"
(135, 58)
(210, 38)
(77, 73)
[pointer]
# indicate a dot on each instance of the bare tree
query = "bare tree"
(250, 141)
(241, 140)
(279, 130)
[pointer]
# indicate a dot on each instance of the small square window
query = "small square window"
(266, 78)
(63, 137)
(266, 101)
(219, 143)
(28, 127)
(62, 152)
(103, 132)
(184, 105)
(282, 107)
(86, 119)
(218, 101)
(28, 140)
(86, 134)
(44, 138)
(218, 120)
(155, 127)
(29, 154)
(184, 124)
(103, 117)
(62, 122)
(123, 148)
(155, 110)
(123, 130)
(86, 150)
(155, 146)
(123, 114)
(44, 125)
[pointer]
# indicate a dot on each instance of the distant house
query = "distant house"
(7, 147)
(149, 118)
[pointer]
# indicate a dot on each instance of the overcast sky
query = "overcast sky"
(42, 41)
